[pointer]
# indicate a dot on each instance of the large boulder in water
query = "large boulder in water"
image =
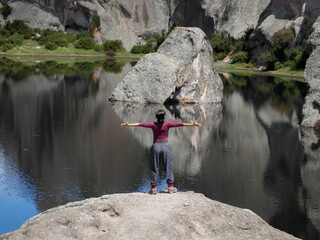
(180, 71)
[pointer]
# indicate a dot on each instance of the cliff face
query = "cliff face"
(131, 21)
(298, 15)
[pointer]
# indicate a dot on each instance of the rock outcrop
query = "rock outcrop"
(133, 21)
(34, 16)
(311, 108)
(181, 71)
(143, 216)
(283, 14)
(127, 20)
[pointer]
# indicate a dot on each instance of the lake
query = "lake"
(61, 141)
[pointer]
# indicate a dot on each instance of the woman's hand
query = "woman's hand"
(125, 124)
(196, 124)
(130, 124)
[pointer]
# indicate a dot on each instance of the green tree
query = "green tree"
(5, 9)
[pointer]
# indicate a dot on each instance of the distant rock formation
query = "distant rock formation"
(297, 15)
(181, 71)
(143, 216)
(133, 21)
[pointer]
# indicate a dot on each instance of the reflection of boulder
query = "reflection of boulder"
(58, 127)
(186, 142)
(181, 71)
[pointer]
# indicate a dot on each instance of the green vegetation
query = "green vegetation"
(144, 49)
(240, 57)
(114, 45)
(153, 43)
(284, 54)
(18, 38)
(223, 44)
(86, 43)
(5, 10)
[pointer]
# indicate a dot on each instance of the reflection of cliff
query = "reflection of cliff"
(310, 174)
(187, 143)
(271, 122)
(61, 133)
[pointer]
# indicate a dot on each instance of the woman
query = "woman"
(161, 148)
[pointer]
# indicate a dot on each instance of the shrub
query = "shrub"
(221, 43)
(278, 65)
(16, 39)
(98, 48)
(110, 53)
(299, 57)
(51, 46)
(220, 56)
(239, 46)
(160, 39)
(69, 37)
(61, 42)
(18, 26)
(4, 33)
(59, 38)
(115, 45)
(269, 59)
(6, 47)
(148, 48)
(281, 41)
(5, 9)
(85, 43)
(240, 57)
(84, 35)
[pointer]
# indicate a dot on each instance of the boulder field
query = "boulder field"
(185, 215)
(181, 71)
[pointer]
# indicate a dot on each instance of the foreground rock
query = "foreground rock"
(181, 71)
(144, 216)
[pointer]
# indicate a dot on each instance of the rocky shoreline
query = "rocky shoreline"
(184, 215)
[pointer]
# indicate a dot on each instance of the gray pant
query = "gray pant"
(161, 150)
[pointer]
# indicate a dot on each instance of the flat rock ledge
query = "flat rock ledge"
(185, 215)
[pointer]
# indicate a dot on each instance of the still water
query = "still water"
(61, 141)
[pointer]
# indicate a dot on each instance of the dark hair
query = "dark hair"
(160, 115)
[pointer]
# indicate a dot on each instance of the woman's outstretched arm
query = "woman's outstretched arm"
(130, 124)
(195, 124)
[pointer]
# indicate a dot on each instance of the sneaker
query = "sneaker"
(153, 191)
(172, 190)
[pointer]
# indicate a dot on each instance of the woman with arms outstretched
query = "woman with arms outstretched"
(161, 147)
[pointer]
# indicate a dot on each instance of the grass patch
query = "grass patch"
(31, 47)
(247, 70)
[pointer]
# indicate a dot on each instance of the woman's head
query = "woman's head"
(160, 115)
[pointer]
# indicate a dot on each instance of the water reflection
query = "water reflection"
(60, 141)
(188, 142)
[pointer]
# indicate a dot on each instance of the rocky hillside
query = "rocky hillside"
(143, 216)
(131, 21)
